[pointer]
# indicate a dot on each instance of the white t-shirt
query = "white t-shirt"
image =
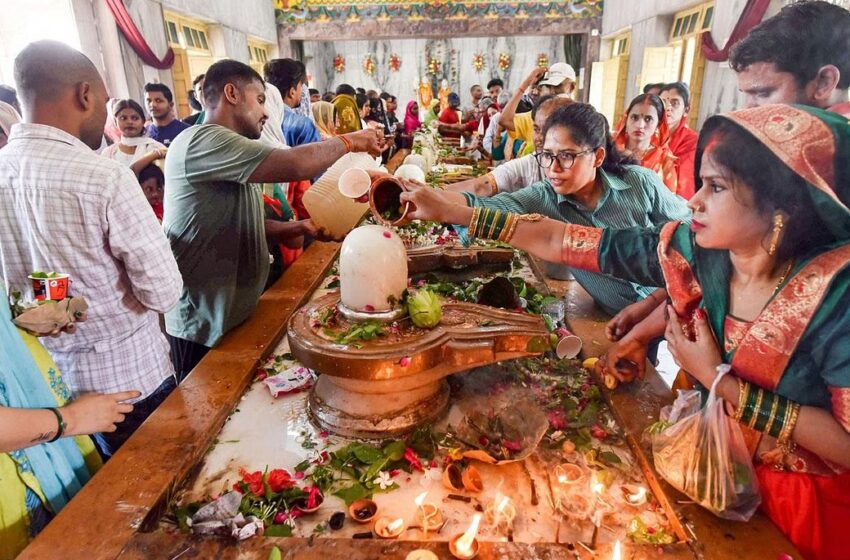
(517, 173)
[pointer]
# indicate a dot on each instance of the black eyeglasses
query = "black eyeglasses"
(565, 159)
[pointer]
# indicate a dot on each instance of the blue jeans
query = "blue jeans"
(141, 410)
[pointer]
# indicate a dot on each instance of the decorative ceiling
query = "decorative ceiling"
(327, 11)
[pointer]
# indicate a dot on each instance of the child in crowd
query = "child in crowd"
(152, 182)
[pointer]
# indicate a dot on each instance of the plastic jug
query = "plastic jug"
(328, 207)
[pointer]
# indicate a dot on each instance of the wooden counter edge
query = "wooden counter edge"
(131, 490)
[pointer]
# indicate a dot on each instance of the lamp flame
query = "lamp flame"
(420, 499)
(395, 525)
(617, 553)
(464, 543)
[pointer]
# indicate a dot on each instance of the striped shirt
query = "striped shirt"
(65, 208)
(637, 199)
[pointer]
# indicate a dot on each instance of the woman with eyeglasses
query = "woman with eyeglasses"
(588, 182)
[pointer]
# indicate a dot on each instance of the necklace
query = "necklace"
(783, 277)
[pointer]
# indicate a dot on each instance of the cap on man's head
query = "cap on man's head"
(557, 73)
(485, 103)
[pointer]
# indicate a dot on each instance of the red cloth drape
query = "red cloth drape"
(750, 17)
(134, 37)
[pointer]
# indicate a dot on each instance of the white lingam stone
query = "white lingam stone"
(410, 171)
(419, 161)
(372, 269)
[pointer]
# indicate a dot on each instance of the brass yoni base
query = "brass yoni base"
(391, 384)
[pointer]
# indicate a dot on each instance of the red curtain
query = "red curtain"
(135, 38)
(750, 17)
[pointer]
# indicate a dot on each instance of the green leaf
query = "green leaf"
(373, 470)
(610, 457)
(394, 450)
(302, 466)
(281, 530)
(365, 453)
(275, 554)
(352, 493)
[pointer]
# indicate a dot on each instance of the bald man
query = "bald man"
(64, 208)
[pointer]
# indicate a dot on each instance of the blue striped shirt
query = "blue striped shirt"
(637, 199)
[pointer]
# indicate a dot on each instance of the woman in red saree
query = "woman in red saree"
(759, 284)
(644, 133)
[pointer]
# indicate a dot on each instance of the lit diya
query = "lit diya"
(388, 528)
(501, 514)
(568, 474)
(466, 546)
(428, 515)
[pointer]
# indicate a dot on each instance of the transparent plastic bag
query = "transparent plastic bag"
(704, 456)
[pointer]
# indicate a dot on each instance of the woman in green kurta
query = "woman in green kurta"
(593, 184)
(758, 284)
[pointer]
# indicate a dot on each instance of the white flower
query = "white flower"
(383, 480)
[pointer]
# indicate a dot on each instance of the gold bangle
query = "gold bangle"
(788, 429)
(491, 180)
(743, 392)
(510, 226)
(756, 409)
(772, 418)
(473, 223)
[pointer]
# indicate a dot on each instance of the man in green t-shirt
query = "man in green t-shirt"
(214, 207)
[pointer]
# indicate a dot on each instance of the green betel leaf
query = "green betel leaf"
(282, 530)
(275, 554)
(373, 470)
(366, 453)
(352, 493)
(394, 450)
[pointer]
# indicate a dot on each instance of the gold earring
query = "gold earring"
(778, 224)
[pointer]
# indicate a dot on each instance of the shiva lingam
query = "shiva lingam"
(390, 383)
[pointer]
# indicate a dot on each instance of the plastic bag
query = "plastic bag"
(499, 429)
(704, 456)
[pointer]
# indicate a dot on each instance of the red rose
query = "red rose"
(280, 480)
(314, 497)
(254, 482)
(411, 457)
